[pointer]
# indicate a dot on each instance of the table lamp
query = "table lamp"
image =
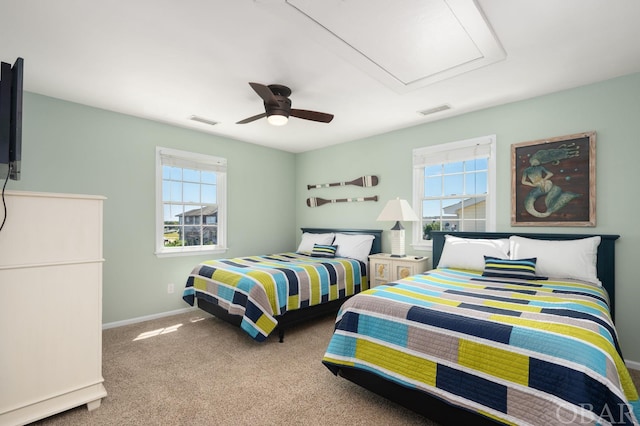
(397, 210)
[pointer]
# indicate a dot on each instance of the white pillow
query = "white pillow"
(575, 259)
(356, 246)
(309, 239)
(469, 253)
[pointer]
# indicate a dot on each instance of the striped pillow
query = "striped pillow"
(510, 268)
(324, 250)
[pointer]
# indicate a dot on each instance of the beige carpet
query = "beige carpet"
(192, 369)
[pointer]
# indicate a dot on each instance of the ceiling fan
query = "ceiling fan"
(277, 106)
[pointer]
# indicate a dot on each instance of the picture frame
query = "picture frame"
(553, 181)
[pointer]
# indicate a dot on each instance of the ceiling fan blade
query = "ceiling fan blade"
(265, 93)
(312, 115)
(254, 118)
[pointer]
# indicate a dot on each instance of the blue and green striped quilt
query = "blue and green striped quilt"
(516, 351)
(260, 288)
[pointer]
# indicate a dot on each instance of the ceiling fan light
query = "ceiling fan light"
(277, 120)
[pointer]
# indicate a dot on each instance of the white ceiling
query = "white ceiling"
(374, 64)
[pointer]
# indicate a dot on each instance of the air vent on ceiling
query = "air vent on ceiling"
(435, 109)
(203, 120)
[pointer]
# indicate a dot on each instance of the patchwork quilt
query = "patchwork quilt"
(260, 288)
(516, 351)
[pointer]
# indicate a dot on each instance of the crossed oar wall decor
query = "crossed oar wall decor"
(363, 181)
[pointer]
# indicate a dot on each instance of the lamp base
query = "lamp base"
(397, 243)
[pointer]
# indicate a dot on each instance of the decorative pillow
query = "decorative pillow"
(510, 268)
(574, 259)
(324, 250)
(468, 253)
(354, 246)
(309, 239)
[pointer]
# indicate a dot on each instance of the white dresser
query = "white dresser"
(50, 305)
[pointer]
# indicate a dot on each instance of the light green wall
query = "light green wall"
(70, 148)
(611, 108)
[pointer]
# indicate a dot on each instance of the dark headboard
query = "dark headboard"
(376, 247)
(606, 252)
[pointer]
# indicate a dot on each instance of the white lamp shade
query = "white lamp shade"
(398, 210)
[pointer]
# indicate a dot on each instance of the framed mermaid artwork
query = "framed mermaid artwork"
(553, 181)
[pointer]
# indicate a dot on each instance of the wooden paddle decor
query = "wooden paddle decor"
(364, 181)
(316, 202)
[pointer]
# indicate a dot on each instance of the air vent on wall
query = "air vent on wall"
(203, 120)
(435, 109)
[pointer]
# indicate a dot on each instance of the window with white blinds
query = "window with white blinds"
(191, 202)
(454, 188)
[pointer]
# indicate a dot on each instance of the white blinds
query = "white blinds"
(447, 153)
(169, 157)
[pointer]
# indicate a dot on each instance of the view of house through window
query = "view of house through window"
(192, 188)
(190, 207)
(454, 186)
(455, 196)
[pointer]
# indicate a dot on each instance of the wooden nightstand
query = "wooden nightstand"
(383, 268)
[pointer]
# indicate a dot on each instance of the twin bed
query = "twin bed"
(478, 340)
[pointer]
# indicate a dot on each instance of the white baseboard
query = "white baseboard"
(634, 365)
(146, 318)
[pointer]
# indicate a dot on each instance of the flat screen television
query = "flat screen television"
(11, 78)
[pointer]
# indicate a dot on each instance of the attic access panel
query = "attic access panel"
(407, 44)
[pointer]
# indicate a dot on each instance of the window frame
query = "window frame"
(197, 161)
(466, 149)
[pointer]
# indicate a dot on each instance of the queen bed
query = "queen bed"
(509, 329)
(264, 293)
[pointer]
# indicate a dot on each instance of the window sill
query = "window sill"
(425, 245)
(190, 252)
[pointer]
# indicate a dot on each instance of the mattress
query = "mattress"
(515, 351)
(261, 288)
